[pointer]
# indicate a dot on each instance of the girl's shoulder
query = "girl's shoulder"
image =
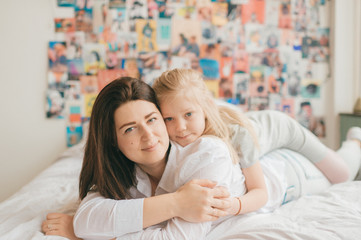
(210, 142)
(202, 143)
(203, 157)
(204, 146)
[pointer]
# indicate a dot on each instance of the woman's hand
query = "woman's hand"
(59, 224)
(200, 200)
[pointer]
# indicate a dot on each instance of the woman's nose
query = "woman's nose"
(147, 133)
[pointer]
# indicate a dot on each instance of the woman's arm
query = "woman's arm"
(59, 224)
(215, 163)
(256, 196)
(193, 202)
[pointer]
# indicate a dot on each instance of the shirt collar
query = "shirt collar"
(166, 183)
(143, 182)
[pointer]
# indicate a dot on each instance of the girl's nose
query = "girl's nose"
(180, 125)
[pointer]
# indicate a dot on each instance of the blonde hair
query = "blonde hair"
(190, 84)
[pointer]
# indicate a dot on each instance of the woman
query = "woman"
(127, 97)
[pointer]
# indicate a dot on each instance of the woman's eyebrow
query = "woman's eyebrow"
(126, 124)
(150, 114)
(132, 123)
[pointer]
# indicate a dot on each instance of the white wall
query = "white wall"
(28, 141)
(344, 88)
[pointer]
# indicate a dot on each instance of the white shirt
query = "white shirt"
(206, 158)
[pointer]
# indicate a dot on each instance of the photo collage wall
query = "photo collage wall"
(256, 54)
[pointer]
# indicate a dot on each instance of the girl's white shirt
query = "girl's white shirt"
(206, 158)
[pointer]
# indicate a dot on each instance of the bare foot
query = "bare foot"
(354, 134)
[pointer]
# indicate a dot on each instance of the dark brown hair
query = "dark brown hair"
(105, 168)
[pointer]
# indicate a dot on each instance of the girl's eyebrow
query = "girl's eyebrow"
(132, 123)
(189, 109)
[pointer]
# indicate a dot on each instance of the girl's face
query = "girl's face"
(141, 133)
(184, 119)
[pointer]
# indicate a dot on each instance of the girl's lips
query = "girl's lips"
(184, 137)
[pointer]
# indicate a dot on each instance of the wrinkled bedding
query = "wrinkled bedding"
(333, 214)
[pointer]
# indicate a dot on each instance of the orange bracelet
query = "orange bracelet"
(240, 207)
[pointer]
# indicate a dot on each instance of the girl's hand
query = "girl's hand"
(200, 200)
(236, 206)
(59, 224)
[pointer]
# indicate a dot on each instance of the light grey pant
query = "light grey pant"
(276, 130)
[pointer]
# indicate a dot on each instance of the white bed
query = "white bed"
(333, 214)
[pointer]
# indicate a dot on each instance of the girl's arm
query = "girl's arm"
(256, 196)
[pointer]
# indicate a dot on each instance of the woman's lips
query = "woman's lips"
(151, 148)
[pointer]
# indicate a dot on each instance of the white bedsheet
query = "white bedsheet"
(54, 190)
(333, 214)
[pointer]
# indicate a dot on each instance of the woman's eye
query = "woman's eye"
(128, 130)
(168, 119)
(152, 120)
(189, 114)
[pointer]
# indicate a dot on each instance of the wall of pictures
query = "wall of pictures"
(256, 54)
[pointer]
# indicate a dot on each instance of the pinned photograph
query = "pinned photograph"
(75, 68)
(253, 12)
(219, 13)
(74, 134)
(136, 9)
(83, 17)
(57, 57)
(88, 84)
(164, 34)
(94, 58)
(64, 24)
(147, 35)
(66, 3)
(107, 76)
(54, 104)
(117, 3)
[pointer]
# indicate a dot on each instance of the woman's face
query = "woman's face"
(141, 133)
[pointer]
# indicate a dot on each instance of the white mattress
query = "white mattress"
(333, 214)
(54, 190)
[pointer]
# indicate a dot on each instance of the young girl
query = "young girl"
(183, 96)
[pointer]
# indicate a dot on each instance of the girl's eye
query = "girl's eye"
(168, 119)
(189, 114)
(128, 130)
